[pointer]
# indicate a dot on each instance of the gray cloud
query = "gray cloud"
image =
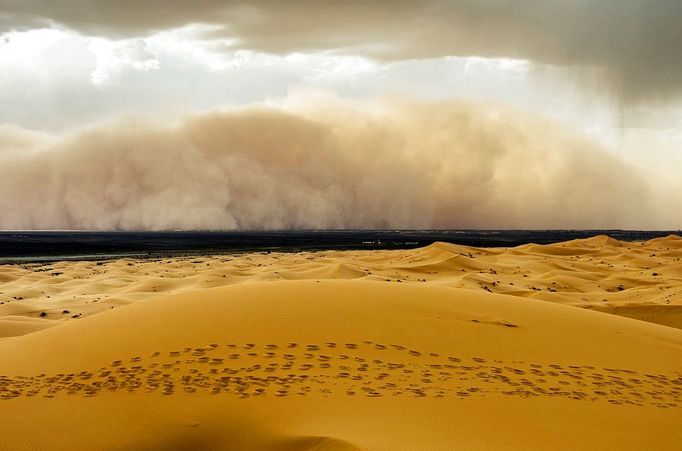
(322, 163)
(635, 42)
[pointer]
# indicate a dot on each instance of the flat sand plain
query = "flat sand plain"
(575, 345)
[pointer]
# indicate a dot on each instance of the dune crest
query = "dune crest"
(335, 365)
(641, 280)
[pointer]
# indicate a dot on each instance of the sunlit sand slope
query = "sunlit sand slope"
(343, 365)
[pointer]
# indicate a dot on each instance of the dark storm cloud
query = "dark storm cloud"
(636, 42)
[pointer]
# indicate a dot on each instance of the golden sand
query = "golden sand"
(443, 347)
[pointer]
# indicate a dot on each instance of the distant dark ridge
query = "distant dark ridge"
(27, 246)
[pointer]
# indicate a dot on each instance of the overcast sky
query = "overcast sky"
(603, 71)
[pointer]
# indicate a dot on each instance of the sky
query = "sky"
(170, 115)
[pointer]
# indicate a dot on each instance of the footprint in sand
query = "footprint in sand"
(441, 377)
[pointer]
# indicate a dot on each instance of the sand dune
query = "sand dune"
(340, 365)
(443, 347)
(641, 280)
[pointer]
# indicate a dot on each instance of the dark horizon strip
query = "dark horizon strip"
(35, 246)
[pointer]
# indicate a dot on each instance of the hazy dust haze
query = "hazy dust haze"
(316, 161)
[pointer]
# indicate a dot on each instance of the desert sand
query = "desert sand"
(443, 347)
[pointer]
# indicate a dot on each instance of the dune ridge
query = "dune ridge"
(343, 365)
(640, 280)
